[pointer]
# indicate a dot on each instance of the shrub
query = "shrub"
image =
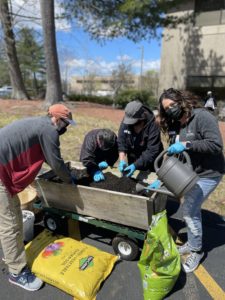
(144, 96)
(89, 98)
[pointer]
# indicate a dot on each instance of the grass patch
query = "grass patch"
(6, 119)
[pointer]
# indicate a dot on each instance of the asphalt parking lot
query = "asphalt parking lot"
(125, 283)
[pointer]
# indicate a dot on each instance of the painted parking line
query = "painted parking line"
(215, 291)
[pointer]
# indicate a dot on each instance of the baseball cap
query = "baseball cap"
(60, 111)
(133, 112)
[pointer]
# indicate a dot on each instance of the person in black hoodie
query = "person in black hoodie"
(98, 151)
(139, 141)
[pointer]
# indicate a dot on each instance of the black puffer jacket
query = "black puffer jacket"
(142, 148)
(91, 154)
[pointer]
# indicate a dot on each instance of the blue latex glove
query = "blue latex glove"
(98, 176)
(103, 165)
(122, 166)
(155, 185)
(176, 148)
(130, 170)
(73, 179)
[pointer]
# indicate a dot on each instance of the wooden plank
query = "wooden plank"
(126, 209)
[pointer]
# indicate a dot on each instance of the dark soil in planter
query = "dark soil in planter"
(114, 183)
(111, 182)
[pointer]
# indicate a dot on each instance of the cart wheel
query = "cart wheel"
(53, 223)
(125, 247)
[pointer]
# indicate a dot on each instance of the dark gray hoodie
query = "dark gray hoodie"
(206, 152)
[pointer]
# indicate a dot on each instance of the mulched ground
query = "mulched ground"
(31, 107)
(27, 108)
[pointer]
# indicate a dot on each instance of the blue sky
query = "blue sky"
(80, 55)
(85, 54)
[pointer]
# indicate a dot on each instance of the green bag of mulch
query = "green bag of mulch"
(159, 263)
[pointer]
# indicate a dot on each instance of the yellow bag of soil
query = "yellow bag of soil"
(72, 266)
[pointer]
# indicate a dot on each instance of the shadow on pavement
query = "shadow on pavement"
(179, 285)
(213, 226)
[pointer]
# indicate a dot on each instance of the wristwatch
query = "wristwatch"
(189, 145)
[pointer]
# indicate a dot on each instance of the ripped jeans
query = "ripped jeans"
(192, 209)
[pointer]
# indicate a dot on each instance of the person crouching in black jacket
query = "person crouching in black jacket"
(99, 150)
(139, 141)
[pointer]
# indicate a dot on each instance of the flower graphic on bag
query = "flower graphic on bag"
(53, 249)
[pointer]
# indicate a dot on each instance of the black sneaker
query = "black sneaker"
(26, 279)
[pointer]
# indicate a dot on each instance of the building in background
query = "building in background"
(99, 85)
(193, 54)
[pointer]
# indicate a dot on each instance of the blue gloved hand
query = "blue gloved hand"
(154, 185)
(98, 176)
(176, 148)
(122, 166)
(73, 179)
(103, 165)
(130, 170)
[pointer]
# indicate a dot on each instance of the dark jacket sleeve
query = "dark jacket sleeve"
(87, 154)
(121, 141)
(49, 141)
(211, 140)
(112, 155)
(154, 148)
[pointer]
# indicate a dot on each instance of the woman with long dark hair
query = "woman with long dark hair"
(192, 128)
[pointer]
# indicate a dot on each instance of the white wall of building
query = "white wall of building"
(190, 53)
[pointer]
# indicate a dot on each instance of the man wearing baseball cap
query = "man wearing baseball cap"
(139, 140)
(25, 145)
(60, 111)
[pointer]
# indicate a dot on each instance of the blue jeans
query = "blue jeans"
(192, 209)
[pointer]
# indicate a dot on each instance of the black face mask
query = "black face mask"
(62, 130)
(175, 112)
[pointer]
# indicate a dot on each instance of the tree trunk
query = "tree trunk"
(54, 88)
(35, 84)
(19, 91)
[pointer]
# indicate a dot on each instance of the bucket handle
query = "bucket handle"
(187, 157)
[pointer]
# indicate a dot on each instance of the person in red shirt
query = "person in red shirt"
(25, 145)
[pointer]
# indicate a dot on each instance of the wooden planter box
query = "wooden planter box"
(127, 209)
